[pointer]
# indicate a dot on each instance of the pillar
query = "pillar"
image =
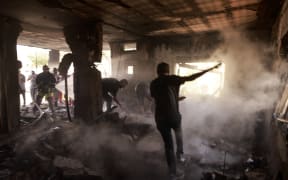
(85, 42)
(9, 97)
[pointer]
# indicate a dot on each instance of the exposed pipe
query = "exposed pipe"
(66, 99)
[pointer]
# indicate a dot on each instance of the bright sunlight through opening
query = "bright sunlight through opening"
(210, 84)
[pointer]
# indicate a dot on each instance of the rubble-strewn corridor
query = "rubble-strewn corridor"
(146, 90)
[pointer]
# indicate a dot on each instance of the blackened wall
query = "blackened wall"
(151, 51)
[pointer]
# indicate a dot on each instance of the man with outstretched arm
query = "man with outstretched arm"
(165, 91)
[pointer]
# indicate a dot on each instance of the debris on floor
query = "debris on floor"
(114, 148)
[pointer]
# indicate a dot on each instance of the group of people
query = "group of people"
(111, 86)
(45, 84)
(41, 85)
(164, 90)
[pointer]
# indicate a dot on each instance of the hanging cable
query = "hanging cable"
(63, 69)
(66, 99)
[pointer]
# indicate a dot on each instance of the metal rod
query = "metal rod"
(66, 99)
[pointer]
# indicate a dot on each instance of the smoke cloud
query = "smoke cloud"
(250, 88)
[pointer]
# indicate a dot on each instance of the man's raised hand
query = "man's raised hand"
(219, 64)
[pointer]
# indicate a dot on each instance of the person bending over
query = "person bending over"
(110, 88)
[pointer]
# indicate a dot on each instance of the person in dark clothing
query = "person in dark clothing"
(165, 91)
(110, 88)
(45, 82)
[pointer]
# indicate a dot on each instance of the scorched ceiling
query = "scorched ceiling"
(43, 20)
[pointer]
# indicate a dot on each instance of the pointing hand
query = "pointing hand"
(218, 65)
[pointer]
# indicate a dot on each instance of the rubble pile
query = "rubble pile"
(58, 149)
(115, 148)
(248, 166)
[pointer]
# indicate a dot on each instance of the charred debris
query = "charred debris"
(116, 146)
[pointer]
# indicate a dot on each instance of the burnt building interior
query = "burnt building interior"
(233, 118)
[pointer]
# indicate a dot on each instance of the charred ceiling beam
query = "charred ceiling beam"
(52, 4)
(252, 7)
(229, 14)
(120, 3)
(131, 9)
(124, 29)
(98, 8)
(124, 21)
(199, 12)
(169, 13)
(154, 26)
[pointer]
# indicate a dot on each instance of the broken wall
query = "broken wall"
(226, 46)
(151, 51)
(122, 59)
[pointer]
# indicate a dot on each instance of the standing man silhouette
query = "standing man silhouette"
(165, 91)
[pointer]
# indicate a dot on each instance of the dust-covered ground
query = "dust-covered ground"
(121, 146)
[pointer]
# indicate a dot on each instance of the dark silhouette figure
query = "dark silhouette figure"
(45, 82)
(165, 91)
(110, 88)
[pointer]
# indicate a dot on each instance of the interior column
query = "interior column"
(85, 42)
(9, 93)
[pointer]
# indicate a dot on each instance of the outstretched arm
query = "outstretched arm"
(197, 75)
(181, 98)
